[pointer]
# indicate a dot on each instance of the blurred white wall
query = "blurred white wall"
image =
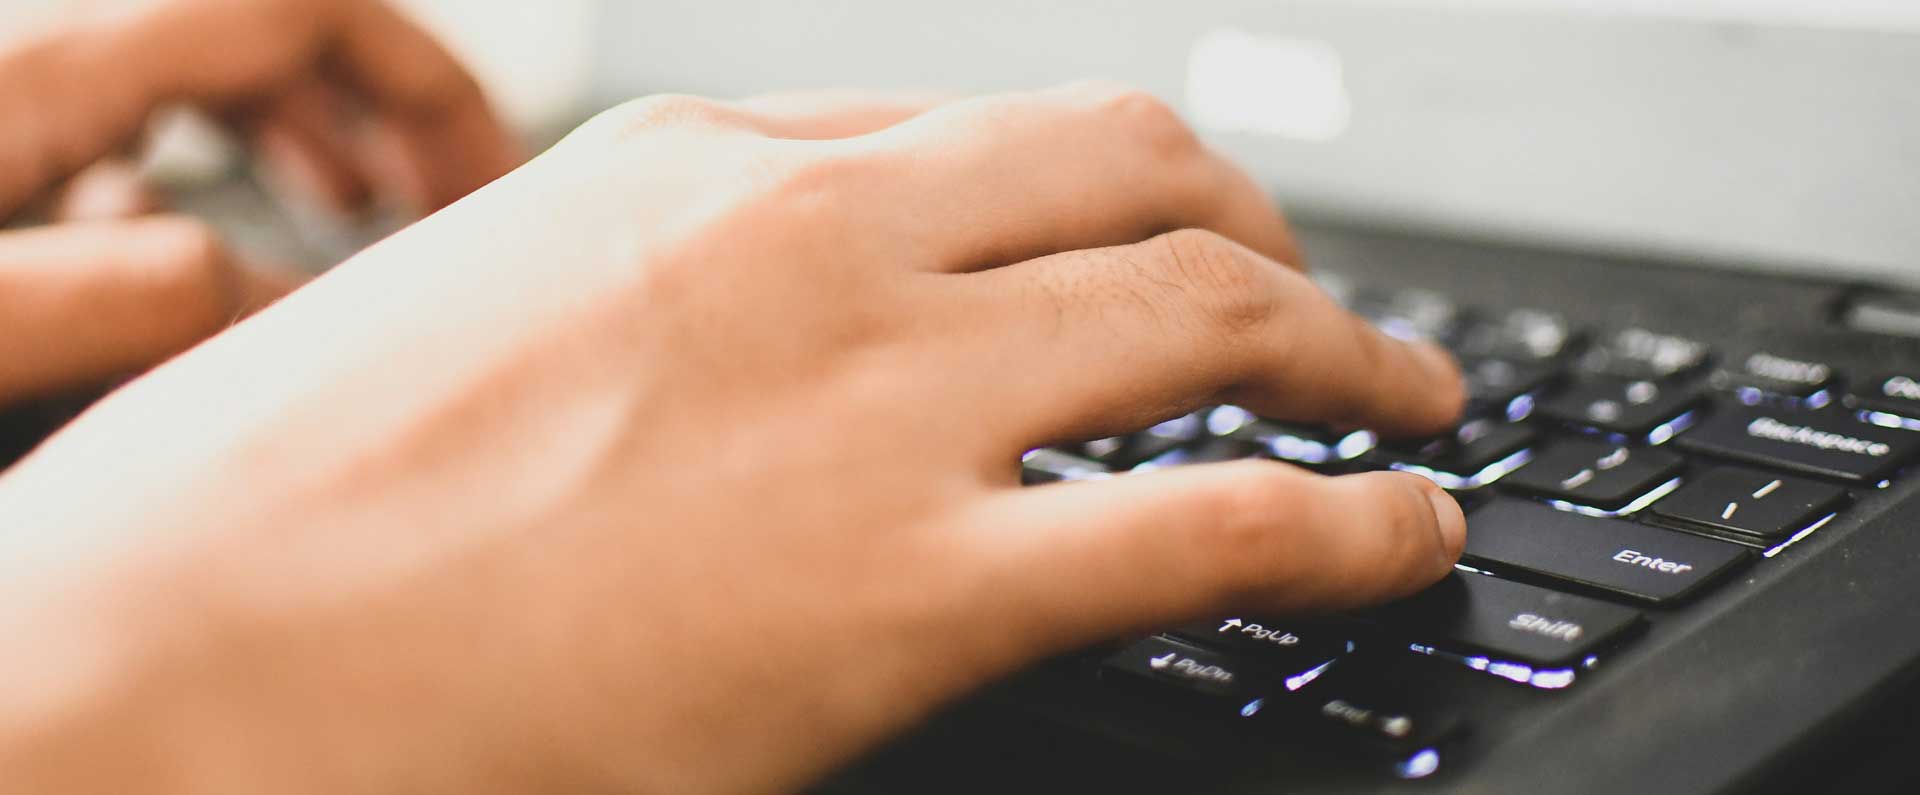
(534, 56)
(1776, 132)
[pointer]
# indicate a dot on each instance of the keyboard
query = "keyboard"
(1613, 476)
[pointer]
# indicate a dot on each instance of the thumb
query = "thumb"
(1079, 562)
(83, 303)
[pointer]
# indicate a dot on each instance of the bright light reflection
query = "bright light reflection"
(1797, 536)
(1183, 427)
(1520, 408)
(1636, 506)
(1548, 679)
(1886, 420)
(1448, 480)
(1294, 448)
(1422, 764)
(1306, 677)
(1672, 428)
(1551, 680)
(1356, 444)
(1514, 671)
(1227, 419)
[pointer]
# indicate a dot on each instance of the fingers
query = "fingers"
(109, 190)
(218, 53)
(1072, 563)
(83, 303)
(303, 135)
(995, 180)
(443, 131)
(1114, 339)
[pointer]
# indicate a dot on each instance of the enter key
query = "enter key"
(1637, 561)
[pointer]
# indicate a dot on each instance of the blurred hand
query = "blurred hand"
(685, 460)
(345, 98)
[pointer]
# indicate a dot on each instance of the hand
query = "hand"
(343, 97)
(685, 460)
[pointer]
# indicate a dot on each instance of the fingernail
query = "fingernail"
(1453, 524)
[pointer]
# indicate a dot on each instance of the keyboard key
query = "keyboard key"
(1637, 354)
(1285, 649)
(1473, 614)
(1462, 459)
(1126, 452)
(1186, 669)
(1364, 708)
(1053, 466)
(1889, 393)
(1521, 335)
(1762, 374)
(1883, 312)
(1495, 383)
(1371, 723)
(1761, 504)
(1594, 474)
(1824, 443)
(1619, 405)
(1409, 314)
(1636, 561)
(1209, 451)
(1311, 445)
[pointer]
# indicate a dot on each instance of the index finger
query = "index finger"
(1112, 340)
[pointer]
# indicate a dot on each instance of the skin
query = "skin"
(346, 100)
(684, 460)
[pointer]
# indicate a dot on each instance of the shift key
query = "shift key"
(1637, 561)
(1481, 615)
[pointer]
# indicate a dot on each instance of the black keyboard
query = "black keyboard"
(1611, 476)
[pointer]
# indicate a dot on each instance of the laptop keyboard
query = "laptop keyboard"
(1608, 476)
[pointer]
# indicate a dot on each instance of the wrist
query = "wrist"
(105, 681)
(177, 677)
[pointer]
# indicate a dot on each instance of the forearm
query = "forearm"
(159, 683)
(210, 569)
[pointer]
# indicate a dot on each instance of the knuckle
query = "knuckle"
(1148, 118)
(806, 178)
(796, 189)
(1231, 292)
(639, 116)
(439, 87)
(1237, 521)
(1369, 345)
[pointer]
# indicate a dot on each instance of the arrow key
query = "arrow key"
(1188, 669)
(1289, 650)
